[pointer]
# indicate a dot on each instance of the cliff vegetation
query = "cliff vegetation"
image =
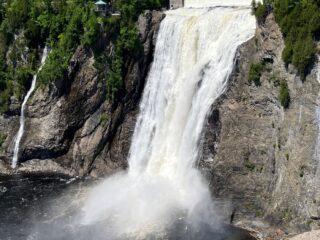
(26, 26)
(299, 21)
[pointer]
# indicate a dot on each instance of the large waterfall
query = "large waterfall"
(23, 107)
(194, 57)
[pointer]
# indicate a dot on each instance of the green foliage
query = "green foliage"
(287, 156)
(127, 43)
(23, 75)
(55, 67)
(302, 170)
(3, 138)
(247, 163)
(260, 10)
(91, 31)
(5, 96)
(63, 25)
(255, 73)
(300, 23)
(303, 54)
(104, 119)
(284, 94)
(130, 10)
(287, 215)
(275, 79)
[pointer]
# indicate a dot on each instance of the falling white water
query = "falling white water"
(213, 3)
(22, 115)
(194, 57)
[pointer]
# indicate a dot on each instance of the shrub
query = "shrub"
(2, 138)
(255, 73)
(249, 165)
(287, 156)
(284, 94)
(260, 10)
(303, 54)
(63, 25)
(55, 67)
(299, 21)
(287, 215)
(23, 75)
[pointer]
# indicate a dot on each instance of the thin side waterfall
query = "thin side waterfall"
(194, 58)
(23, 107)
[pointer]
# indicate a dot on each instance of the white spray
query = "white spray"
(23, 107)
(194, 57)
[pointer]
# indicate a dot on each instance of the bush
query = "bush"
(304, 54)
(299, 21)
(63, 25)
(23, 75)
(55, 67)
(2, 138)
(255, 73)
(284, 94)
(260, 10)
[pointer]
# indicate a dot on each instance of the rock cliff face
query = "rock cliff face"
(259, 157)
(72, 125)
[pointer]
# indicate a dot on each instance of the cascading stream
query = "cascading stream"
(23, 108)
(194, 58)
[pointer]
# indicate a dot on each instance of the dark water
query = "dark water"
(35, 207)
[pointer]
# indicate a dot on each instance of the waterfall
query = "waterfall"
(22, 114)
(194, 58)
(213, 3)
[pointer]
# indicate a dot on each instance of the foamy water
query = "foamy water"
(193, 60)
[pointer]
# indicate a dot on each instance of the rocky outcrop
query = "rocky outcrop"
(72, 123)
(314, 235)
(259, 157)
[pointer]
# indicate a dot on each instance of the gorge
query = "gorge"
(186, 148)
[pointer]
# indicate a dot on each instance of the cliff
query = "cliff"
(71, 126)
(260, 157)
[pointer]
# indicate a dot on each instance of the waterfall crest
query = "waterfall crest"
(213, 3)
(23, 108)
(194, 58)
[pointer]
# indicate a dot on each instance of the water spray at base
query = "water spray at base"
(194, 58)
